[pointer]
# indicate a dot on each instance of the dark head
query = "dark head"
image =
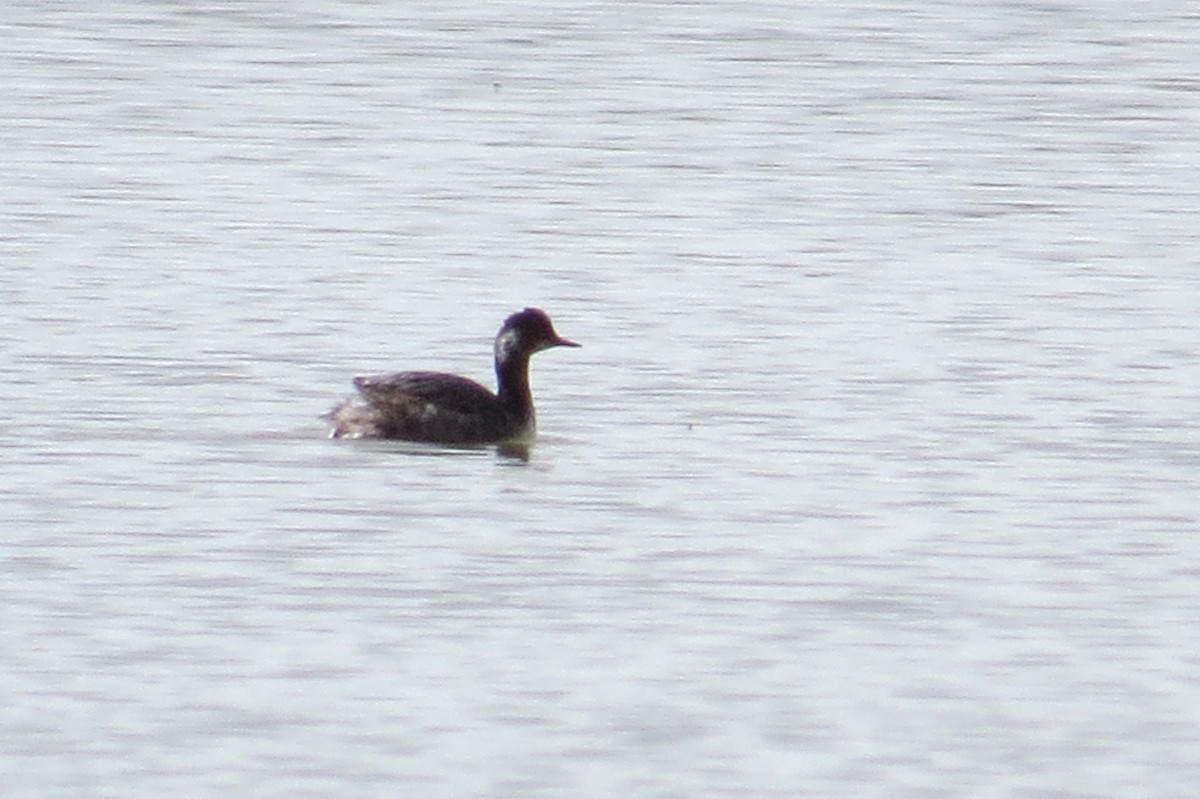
(527, 332)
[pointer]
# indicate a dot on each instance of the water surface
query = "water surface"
(874, 476)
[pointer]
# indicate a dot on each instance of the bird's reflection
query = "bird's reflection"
(514, 450)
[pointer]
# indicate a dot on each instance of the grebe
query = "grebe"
(448, 409)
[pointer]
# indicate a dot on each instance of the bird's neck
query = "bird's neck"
(512, 379)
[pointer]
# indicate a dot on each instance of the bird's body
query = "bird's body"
(448, 409)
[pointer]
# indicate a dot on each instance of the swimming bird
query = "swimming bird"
(447, 409)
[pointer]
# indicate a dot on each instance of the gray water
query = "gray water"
(875, 476)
